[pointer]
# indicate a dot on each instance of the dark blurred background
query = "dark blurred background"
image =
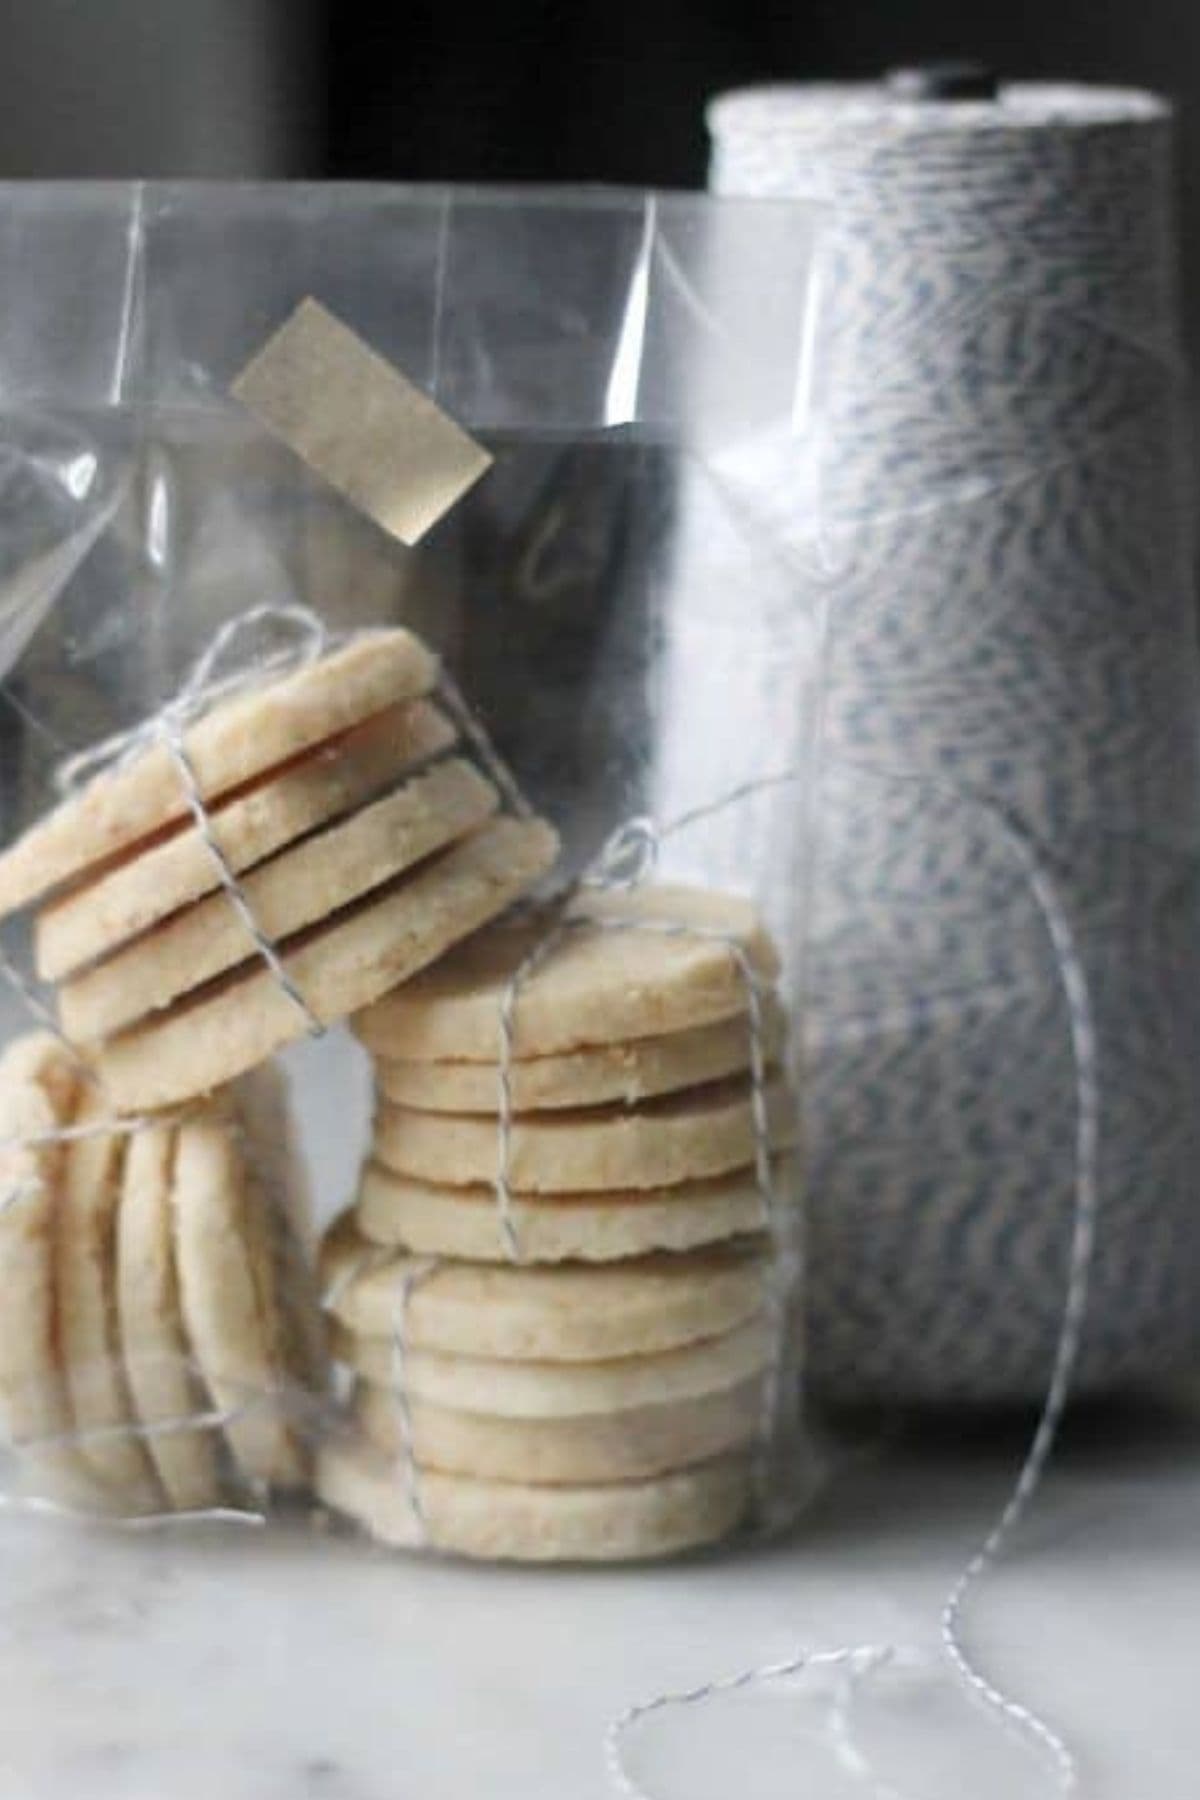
(553, 90)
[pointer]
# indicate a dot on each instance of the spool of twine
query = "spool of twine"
(1002, 497)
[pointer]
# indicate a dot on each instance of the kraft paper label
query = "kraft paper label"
(359, 423)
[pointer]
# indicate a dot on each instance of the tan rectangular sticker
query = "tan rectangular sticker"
(359, 423)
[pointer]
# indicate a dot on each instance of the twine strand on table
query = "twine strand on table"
(866, 1660)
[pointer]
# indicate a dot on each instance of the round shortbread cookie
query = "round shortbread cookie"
(40, 1088)
(599, 984)
(602, 1075)
(240, 1320)
(567, 1314)
(465, 1222)
(301, 885)
(562, 1390)
(339, 966)
(506, 1520)
(627, 1446)
(271, 1144)
(324, 783)
(156, 1350)
(86, 1268)
(241, 737)
(684, 1137)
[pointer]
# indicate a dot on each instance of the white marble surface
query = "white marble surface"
(295, 1664)
(284, 1664)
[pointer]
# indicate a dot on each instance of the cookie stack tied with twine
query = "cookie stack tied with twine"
(278, 846)
(562, 1287)
(249, 870)
(160, 1339)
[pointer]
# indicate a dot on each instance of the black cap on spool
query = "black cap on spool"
(943, 81)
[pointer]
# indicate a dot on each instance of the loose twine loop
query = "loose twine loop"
(625, 861)
(860, 1663)
(207, 681)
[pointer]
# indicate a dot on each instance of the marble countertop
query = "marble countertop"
(228, 1663)
(283, 1664)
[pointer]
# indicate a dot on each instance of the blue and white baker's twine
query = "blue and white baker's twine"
(860, 1662)
(1002, 401)
(625, 860)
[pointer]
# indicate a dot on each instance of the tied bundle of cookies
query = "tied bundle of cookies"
(159, 1335)
(232, 879)
(307, 843)
(555, 1287)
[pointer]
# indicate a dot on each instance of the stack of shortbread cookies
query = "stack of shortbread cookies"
(362, 847)
(580, 1373)
(286, 857)
(150, 1279)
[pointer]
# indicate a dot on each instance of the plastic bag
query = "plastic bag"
(308, 767)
